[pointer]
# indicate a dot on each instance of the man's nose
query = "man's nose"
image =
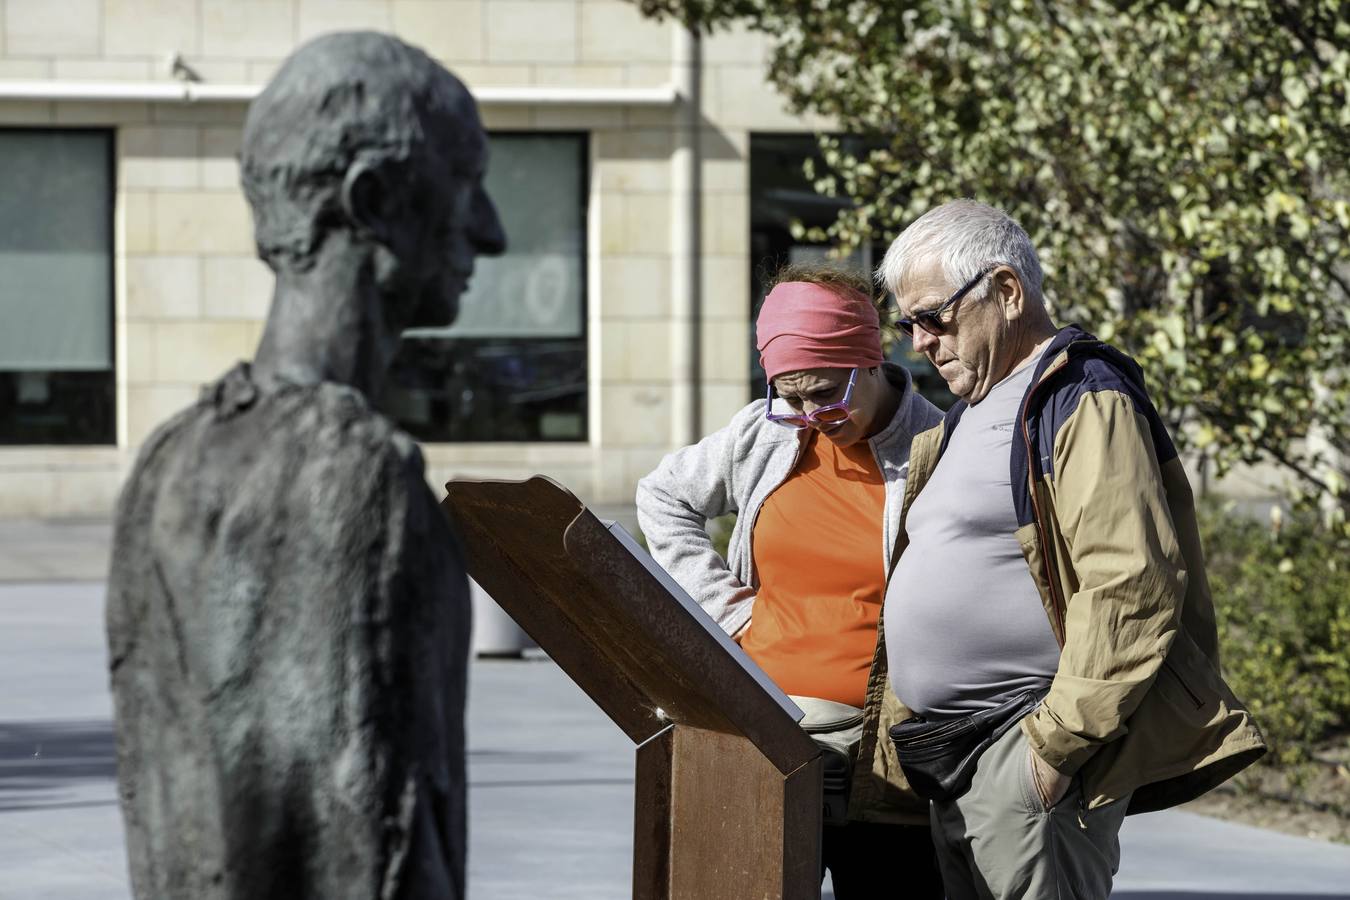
(486, 232)
(922, 340)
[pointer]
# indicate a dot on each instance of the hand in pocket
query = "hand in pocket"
(1051, 785)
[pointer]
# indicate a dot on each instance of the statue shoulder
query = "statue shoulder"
(159, 449)
(356, 421)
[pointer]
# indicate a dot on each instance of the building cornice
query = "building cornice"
(49, 91)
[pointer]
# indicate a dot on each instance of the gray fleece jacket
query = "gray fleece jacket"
(734, 470)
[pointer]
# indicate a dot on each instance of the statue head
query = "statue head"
(363, 136)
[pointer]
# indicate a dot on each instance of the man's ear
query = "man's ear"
(1011, 297)
(367, 200)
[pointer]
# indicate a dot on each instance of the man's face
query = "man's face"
(969, 355)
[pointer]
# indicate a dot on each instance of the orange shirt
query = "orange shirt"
(817, 547)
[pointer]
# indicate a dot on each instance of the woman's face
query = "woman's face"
(810, 389)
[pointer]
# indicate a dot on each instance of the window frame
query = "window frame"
(584, 139)
(112, 135)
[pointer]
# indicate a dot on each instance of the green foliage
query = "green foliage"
(1181, 167)
(1283, 603)
(719, 530)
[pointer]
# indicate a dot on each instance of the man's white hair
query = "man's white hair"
(965, 237)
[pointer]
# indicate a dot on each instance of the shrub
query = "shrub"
(1282, 595)
(1282, 598)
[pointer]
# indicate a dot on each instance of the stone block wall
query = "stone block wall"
(191, 296)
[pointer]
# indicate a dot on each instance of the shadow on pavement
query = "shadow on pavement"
(561, 782)
(40, 762)
(1218, 895)
(525, 757)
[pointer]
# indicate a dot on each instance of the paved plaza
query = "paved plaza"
(551, 785)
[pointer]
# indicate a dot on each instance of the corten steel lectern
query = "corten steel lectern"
(728, 786)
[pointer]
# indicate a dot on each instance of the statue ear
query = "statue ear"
(366, 199)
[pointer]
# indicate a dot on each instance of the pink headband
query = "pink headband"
(809, 326)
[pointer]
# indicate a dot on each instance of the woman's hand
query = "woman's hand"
(1051, 785)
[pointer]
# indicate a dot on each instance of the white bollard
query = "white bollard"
(495, 634)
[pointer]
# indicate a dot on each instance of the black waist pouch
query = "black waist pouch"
(938, 758)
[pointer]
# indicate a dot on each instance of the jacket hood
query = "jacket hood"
(1072, 341)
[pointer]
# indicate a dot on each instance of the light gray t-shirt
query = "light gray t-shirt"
(965, 628)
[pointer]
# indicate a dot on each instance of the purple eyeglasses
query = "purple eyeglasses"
(834, 414)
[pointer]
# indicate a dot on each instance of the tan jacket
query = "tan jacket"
(1108, 530)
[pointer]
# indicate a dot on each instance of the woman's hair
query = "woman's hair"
(847, 284)
(842, 281)
(838, 279)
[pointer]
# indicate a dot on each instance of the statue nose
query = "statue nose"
(487, 234)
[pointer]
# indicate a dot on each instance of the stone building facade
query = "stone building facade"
(120, 124)
(644, 179)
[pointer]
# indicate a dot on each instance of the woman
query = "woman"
(815, 472)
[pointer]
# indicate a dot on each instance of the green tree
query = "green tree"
(1181, 167)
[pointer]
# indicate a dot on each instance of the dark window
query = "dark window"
(56, 303)
(780, 195)
(513, 366)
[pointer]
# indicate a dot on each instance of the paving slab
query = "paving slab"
(38, 550)
(33, 550)
(551, 786)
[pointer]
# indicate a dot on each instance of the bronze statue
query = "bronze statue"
(288, 613)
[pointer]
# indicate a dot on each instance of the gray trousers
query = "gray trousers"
(998, 840)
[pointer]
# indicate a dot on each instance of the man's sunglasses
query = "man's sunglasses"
(834, 414)
(931, 321)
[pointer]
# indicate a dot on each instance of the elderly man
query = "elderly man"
(288, 613)
(1049, 621)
